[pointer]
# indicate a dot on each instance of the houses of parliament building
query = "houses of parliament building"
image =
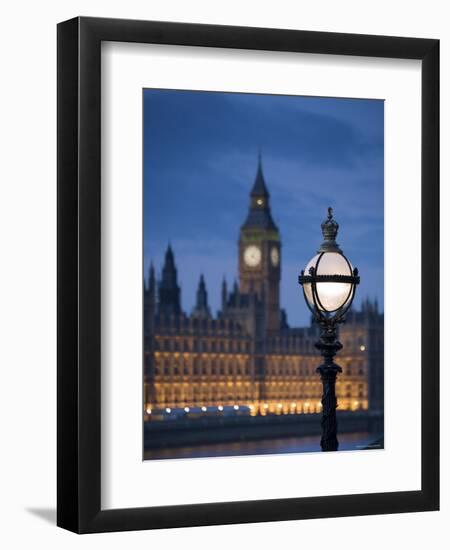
(247, 356)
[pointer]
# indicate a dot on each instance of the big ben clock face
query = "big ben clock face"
(252, 256)
(274, 256)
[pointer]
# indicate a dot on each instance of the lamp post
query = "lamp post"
(329, 283)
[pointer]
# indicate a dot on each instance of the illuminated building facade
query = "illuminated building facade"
(247, 356)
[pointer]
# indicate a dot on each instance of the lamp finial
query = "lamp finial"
(330, 229)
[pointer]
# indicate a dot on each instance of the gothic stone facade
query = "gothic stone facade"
(247, 354)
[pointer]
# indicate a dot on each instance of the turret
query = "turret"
(149, 329)
(236, 296)
(224, 294)
(151, 281)
(201, 309)
(169, 302)
(149, 301)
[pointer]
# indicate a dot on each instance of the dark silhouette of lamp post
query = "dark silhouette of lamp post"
(329, 283)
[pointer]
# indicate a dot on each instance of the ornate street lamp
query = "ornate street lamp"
(329, 283)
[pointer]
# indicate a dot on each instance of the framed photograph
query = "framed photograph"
(248, 259)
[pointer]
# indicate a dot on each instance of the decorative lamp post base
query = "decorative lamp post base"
(328, 373)
(329, 345)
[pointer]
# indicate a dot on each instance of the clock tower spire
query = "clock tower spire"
(259, 252)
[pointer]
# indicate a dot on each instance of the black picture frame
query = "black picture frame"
(79, 280)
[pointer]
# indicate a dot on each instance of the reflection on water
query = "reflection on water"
(307, 444)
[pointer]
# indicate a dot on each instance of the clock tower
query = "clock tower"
(260, 252)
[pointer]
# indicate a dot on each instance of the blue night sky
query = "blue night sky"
(200, 160)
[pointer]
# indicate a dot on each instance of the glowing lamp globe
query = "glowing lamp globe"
(331, 295)
(329, 279)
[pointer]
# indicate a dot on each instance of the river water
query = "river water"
(307, 444)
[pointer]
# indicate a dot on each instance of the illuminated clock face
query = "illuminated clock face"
(274, 256)
(252, 256)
